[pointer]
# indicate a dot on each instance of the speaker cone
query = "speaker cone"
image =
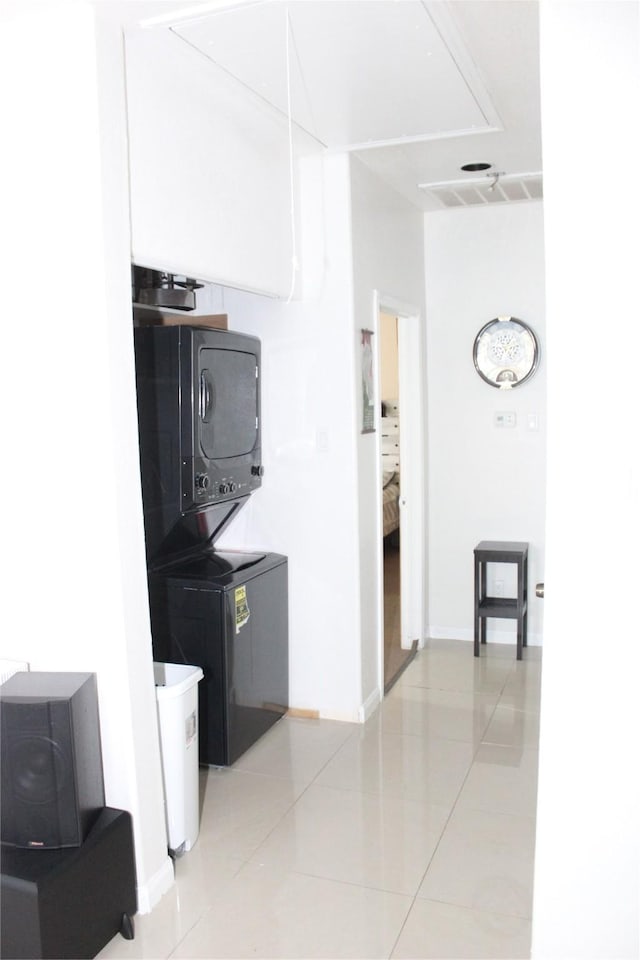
(39, 769)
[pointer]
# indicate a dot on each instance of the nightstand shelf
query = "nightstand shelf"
(499, 607)
(510, 608)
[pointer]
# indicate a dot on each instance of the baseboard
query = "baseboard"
(369, 706)
(300, 713)
(449, 633)
(303, 714)
(493, 635)
(150, 893)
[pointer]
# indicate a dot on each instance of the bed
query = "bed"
(390, 501)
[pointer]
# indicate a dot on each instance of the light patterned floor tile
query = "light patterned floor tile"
(484, 861)
(502, 780)
(265, 913)
(296, 749)
(439, 931)
(377, 841)
(445, 714)
(240, 809)
(409, 836)
(427, 769)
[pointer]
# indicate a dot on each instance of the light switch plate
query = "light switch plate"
(504, 418)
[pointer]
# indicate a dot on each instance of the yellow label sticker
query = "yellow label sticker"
(242, 608)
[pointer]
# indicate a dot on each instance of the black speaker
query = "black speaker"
(69, 903)
(51, 780)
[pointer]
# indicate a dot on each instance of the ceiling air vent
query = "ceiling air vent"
(490, 188)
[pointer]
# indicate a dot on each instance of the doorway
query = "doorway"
(396, 659)
(402, 510)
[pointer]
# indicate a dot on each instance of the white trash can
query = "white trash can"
(177, 701)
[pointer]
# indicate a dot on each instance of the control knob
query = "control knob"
(223, 488)
(202, 481)
(257, 470)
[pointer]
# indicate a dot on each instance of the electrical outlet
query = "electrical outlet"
(322, 441)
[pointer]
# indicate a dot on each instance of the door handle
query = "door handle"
(540, 590)
(206, 396)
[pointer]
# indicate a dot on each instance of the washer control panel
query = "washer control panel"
(205, 483)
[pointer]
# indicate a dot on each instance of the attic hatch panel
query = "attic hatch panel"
(349, 86)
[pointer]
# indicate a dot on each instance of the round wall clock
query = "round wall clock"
(506, 352)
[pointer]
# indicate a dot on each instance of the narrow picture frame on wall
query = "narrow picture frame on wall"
(366, 363)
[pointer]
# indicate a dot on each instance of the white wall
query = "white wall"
(75, 584)
(586, 893)
(485, 483)
(318, 500)
(388, 357)
(388, 259)
(307, 505)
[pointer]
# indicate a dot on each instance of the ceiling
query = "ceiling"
(415, 88)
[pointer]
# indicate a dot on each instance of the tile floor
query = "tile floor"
(409, 836)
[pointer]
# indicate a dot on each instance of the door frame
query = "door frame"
(413, 514)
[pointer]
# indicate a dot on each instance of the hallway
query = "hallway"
(409, 836)
(395, 658)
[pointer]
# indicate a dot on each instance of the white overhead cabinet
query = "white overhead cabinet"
(209, 168)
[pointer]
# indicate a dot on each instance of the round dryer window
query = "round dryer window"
(506, 352)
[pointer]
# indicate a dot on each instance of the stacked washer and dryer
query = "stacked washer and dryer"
(225, 611)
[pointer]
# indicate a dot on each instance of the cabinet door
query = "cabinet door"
(209, 169)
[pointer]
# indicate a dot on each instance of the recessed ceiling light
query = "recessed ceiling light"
(475, 167)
